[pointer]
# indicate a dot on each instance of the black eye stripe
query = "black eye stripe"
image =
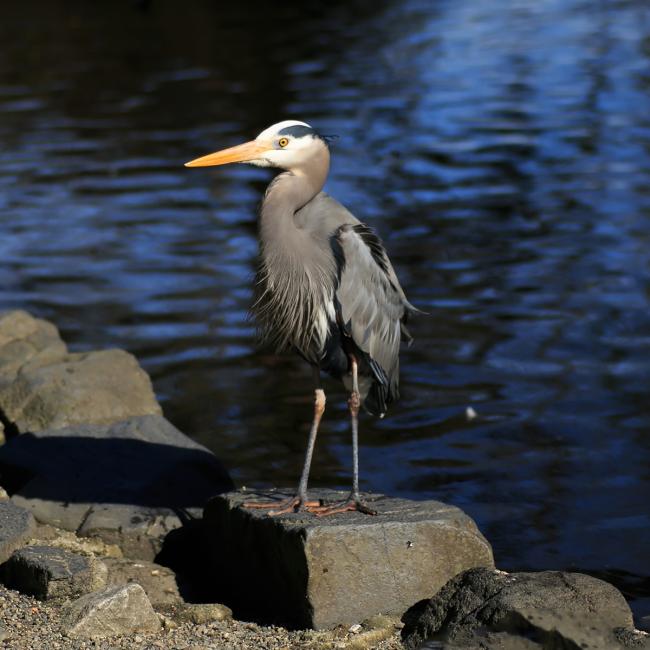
(297, 131)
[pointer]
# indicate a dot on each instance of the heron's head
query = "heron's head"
(288, 145)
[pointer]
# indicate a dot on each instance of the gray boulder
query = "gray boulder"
(305, 571)
(110, 612)
(25, 339)
(16, 526)
(551, 610)
(90, 387)
(129, 483)
(46, 572)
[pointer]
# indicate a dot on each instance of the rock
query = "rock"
(47, 572)
(110, 612)
(158, 581)
(554, 609)
(138, 531)
(305, 571)
(16, 527)
(25, 339)
(128, 483)
(92, 387)
(200, 613)
(46, 535)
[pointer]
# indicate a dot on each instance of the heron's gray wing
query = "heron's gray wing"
(371, 303)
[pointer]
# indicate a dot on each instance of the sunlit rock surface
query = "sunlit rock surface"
(92, 387)
(305, 571)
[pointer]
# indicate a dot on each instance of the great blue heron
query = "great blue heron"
(324, 286)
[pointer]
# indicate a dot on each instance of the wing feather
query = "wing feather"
(371, 305)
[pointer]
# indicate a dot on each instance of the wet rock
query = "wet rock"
(159, 582)
(110, 612)
(25, 339)
(305, 571)
(46, 572)
(493, 610)
(128, 483)
(16, 527)
(87, 387)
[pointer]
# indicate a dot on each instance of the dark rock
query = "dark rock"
(90, 387)
(25, 339)
(127, 482)
(47, 572)
(305, 571)
(111, 612)
(491, 609)
(159, 582)
(16, 527)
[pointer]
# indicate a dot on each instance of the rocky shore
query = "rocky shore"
(118, 531)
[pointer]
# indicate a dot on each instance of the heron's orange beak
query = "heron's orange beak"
(241, 153)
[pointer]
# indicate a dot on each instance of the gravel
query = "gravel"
(26, 624)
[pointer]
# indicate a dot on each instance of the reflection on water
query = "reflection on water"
(502, 150)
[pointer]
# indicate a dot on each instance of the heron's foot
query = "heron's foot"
(350, 505)
(293, 504)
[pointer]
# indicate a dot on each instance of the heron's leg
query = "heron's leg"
(354, 502)
(300, 500)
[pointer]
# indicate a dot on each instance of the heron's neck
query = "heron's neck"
(288, 193)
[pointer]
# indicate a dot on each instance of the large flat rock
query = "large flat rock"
(25, 339)
(92, 387)
(129, 482)
(303, 571)
(550, 610)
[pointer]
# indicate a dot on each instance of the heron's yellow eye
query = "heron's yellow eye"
(283, 142)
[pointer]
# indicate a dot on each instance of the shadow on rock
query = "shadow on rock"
(130, 482)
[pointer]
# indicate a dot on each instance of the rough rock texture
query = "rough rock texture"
(158, 581)
(127, 482)
(321, 572)
(16, 527)
(110, 612)
(201, 613)
(37, 625)
(47, 572)
(25, 339)
(87, 387)
(550, 610)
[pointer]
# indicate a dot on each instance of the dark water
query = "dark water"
(501, 148)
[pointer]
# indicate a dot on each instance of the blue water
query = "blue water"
(501, 149)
